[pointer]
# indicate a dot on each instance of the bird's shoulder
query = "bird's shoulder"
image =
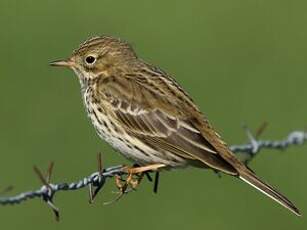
(148, 87)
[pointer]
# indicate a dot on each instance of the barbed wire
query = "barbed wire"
(95, 181)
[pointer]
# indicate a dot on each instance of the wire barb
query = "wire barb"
(156, 183)
(48, 191)
(99, 183)
(49, 172)
(261, 129)
(252, 139)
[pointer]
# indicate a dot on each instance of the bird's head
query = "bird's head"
(97, 56)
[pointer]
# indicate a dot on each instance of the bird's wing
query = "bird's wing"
(158, 112)
(160, 117)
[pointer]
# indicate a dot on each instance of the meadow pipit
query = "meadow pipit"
(143, 112)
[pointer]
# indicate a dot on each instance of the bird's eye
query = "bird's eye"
(90, 59)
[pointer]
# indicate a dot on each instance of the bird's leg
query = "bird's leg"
(134, 178)
(139, 172)
(147, 173)
(149, 178)
(136, 170)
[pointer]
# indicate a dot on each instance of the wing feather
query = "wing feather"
(161, 123)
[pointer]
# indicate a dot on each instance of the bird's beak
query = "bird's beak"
(63, 63)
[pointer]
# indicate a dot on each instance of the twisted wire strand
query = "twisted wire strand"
(246, 152)
(48, 191)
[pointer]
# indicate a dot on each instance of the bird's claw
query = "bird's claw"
(134, 177)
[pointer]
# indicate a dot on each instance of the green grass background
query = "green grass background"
(241, 60)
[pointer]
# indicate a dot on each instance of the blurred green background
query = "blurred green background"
(241, 60)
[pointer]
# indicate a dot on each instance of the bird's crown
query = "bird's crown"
(105, 44)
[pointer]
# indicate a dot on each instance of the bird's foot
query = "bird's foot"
(135, 176)
(133, 179)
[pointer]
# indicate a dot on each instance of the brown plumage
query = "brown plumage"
(143, 112)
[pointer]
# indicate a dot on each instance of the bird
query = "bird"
(143, 113)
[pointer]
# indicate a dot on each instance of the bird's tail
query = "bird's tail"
(249, 177)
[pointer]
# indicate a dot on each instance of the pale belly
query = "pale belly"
(130, 147)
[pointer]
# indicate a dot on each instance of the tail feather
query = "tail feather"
(250, 178)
